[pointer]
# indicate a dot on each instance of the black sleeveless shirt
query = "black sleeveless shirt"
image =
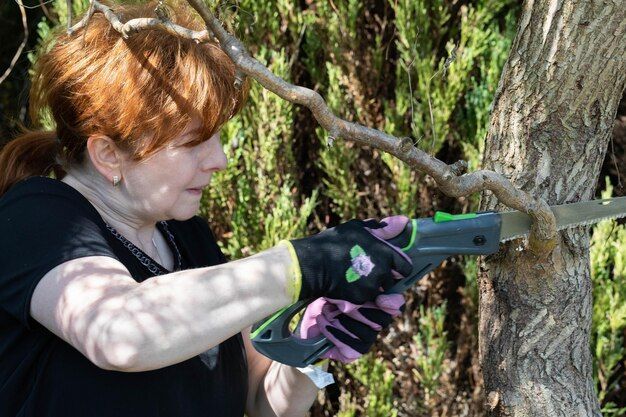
(45, 222)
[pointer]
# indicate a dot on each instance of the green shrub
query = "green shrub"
(377, 380)
(608, 273)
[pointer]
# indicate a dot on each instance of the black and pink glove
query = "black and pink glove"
(353, 329)
(350, 262)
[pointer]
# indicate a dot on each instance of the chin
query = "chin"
(182, 215)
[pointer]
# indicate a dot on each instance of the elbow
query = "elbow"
(117, 348)
(120, 357)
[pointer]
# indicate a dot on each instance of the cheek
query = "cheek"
(174, 171)
(153, 184)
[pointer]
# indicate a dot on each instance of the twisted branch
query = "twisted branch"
(161, 22)
(449, 178)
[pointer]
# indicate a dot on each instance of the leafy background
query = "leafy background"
(425, 69)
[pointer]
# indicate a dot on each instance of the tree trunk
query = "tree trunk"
(551, 122)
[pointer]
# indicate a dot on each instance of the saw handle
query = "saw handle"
(426, 241)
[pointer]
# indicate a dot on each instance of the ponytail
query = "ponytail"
(29, 154)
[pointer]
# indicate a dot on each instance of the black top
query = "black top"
(45, 222)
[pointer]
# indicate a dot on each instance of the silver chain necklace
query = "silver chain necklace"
(153, 266)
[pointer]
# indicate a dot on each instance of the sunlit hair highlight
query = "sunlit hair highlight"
(142, 91)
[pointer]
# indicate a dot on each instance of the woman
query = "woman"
(115, 299)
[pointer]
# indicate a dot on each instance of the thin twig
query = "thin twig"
(619, 177)
(42, 4)
(69, 15)
(22, 45)
(338, 14)
(408, 73)
(293, 58)
(89, 15)
(432, 119)
(32, 7)
(449, 60)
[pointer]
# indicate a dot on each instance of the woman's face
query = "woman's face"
(168, 185)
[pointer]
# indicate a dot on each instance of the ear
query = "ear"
(105, 156)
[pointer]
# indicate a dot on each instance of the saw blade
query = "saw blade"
(516, 224)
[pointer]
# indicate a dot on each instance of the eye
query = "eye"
(195, 141)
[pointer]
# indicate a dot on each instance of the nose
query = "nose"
(213, 156)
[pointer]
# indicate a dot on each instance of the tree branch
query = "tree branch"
(22, 45)
(135, 25)
(449, 178)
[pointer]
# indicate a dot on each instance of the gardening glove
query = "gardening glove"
(353, 329)
(349, 262)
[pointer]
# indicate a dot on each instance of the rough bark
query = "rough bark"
(552, 118)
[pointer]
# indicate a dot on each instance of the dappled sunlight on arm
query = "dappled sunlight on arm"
(94, 304)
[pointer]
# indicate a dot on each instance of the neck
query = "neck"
(110, 202)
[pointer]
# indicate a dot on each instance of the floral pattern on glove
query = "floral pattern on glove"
(362, 264)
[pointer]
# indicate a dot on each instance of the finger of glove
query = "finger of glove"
(342, 351)
(336, 354)
(358, 316)
(374, 224)
(393, 226)
(391, 304)
(330, 311)
(377, 316)
(345, 340)
(387, 282)
(402, 264)
(308, 327)
(396, 274)
(358, 330)
(343, 305)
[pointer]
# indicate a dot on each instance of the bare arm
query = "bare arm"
(276, 390)
(96, 306)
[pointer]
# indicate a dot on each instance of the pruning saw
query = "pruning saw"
(428, 242)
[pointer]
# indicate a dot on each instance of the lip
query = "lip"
(197, 190)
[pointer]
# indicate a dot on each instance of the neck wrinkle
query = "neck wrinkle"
(140, 232)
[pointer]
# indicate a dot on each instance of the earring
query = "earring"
(116, 180)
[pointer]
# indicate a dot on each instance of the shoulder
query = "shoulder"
(43, 212)
(44, 194)
(43, 223)
(39, 185)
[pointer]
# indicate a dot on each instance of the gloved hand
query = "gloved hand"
(351, 261)
(353, 329)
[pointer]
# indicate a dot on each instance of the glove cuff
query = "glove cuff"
(294, 285)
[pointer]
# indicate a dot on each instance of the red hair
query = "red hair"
(141, 92)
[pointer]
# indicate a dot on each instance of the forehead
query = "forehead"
(194, 126)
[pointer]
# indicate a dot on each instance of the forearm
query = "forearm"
(285, 392)
(173, 317)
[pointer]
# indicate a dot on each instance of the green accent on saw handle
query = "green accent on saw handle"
(442, 216)
(268, 322)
